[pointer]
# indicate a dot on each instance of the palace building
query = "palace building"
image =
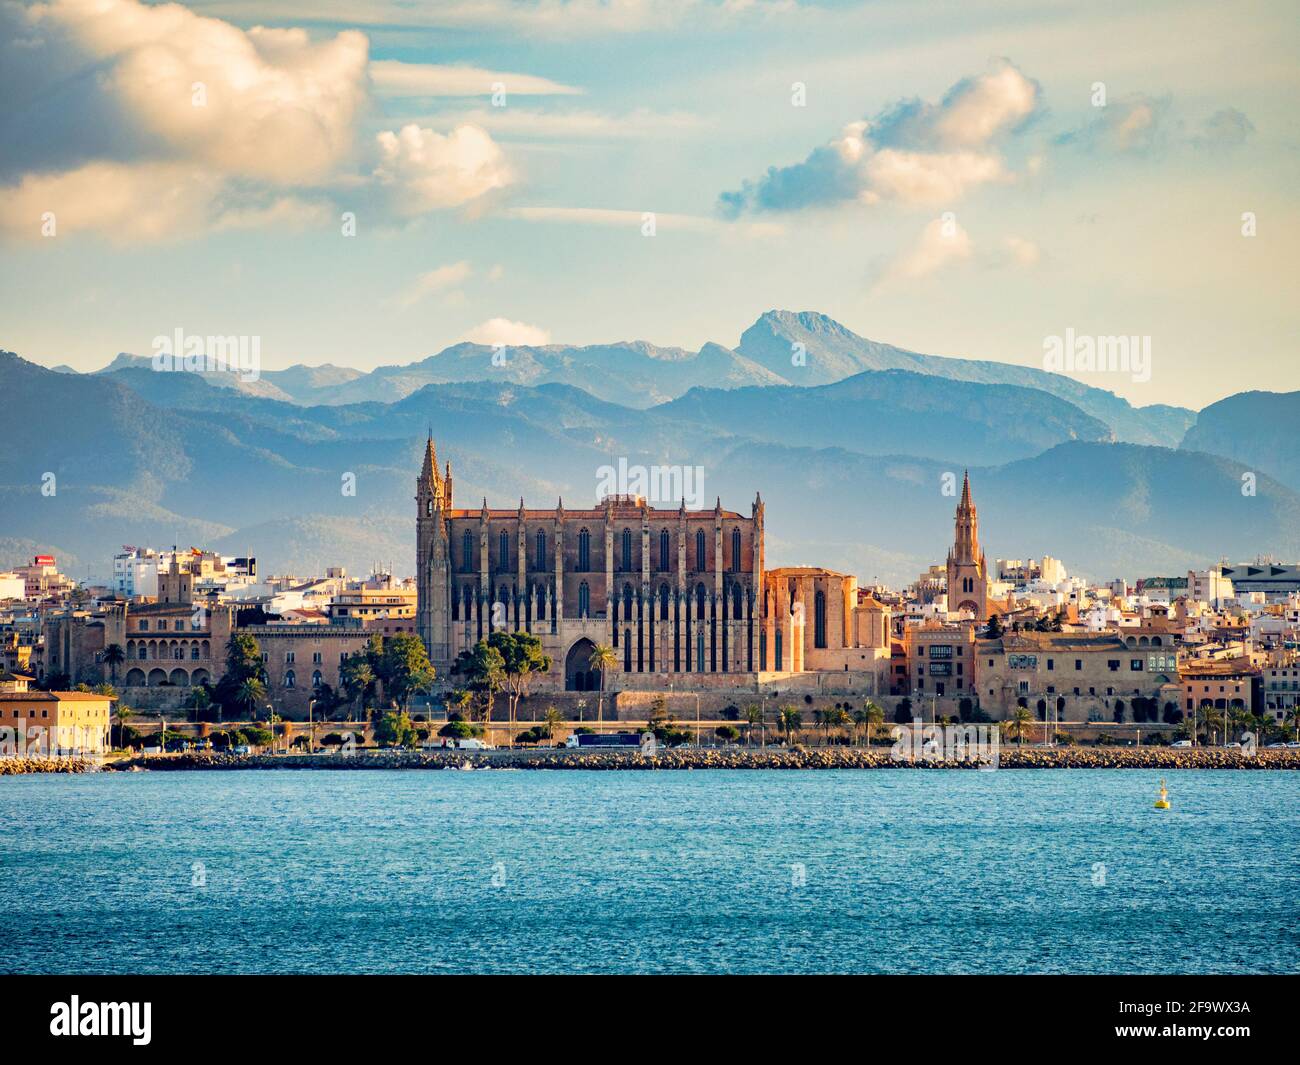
(681, 597)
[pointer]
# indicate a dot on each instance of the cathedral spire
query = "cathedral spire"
(429, 471)
(965, 489)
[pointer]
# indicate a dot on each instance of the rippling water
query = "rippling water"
(711, 871)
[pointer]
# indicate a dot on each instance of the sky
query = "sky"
(367, 182)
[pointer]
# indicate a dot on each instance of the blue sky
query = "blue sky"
(948, 186)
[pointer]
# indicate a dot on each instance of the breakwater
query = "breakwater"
(10, 767)
(1159, 758)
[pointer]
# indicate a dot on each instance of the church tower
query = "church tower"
(433, 559)
(968, 585)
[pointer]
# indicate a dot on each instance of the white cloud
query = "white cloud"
(942, 242)
(190, 124)
(394, 78)
(913, 153)
(433, 281)
(503, 331)
(1022, 252)
(633, 221)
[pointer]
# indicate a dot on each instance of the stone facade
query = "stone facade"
(681, 597)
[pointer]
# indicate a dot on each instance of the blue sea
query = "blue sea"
(907, 871)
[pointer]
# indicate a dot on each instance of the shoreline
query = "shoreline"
(715, 758)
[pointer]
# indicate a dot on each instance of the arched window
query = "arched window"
(541, 549)
(736, 613)
(584, 599)
(700, 557)
(584, 551)
(316, 679)
(665, 546)
(735, 550)
(663, 601)
(289, 679)
(503, 551)
(699, 600)
(627, 550)
(467, 552)
(627, 602)
(819, 619)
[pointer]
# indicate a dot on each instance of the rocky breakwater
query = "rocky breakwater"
(1158, 758)
(10, 767)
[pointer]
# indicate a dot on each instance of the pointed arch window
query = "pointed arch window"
(700, 556)
(541, 549)
(627, 551)
(584, 599)
(503, 551)
(584, 551)
(665, 546)
(467, 552)
(735, 550)
(819, 619)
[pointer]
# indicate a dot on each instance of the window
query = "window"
(316, 659)
(503, 551)
(290, 680)
(584, 595)
(665, 545)
(1078, 664)
(584, 551)
(288, 656)
(541, 550)
(819, 619)
(1135, 665)
(317, 679)
(735, 550)
(1112, 664)
(701, 558)
(663, 600)
(144, 625)
(1051, 663)
(627, 551)
(467, 552)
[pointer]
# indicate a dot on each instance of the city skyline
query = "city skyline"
(804, 156)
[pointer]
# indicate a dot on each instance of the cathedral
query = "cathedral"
(682, 598)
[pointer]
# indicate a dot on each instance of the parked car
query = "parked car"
(1181, 743)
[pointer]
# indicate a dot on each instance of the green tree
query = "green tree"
(198, 700)
(484, 671)
(114, 655)
(995, 628)
(753, 719)
(358, 679)
(1019, 723)
(554, 719)
(121, 714)
(602, 658)
(405, 668)
(869, 716)
(250, 695)
(522, 661)
(727, 733)
(243, 663)
(790, 720)
(1293, 719)
(394, 729)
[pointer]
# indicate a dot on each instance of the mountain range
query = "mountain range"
(849, 441)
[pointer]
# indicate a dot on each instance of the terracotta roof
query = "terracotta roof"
(61, 697)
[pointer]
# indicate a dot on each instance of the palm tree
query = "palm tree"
(554, 719)
(836, 717)
(1293, 719)
(753, 716)
(790, 720)
(199, 700)
(114, 656)
(120, 714)
(1019, 722)
(821, 718)
(602, 658)
(872, 715)
(250, 695)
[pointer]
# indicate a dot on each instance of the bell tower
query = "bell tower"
(433, 559)
(968, 586)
